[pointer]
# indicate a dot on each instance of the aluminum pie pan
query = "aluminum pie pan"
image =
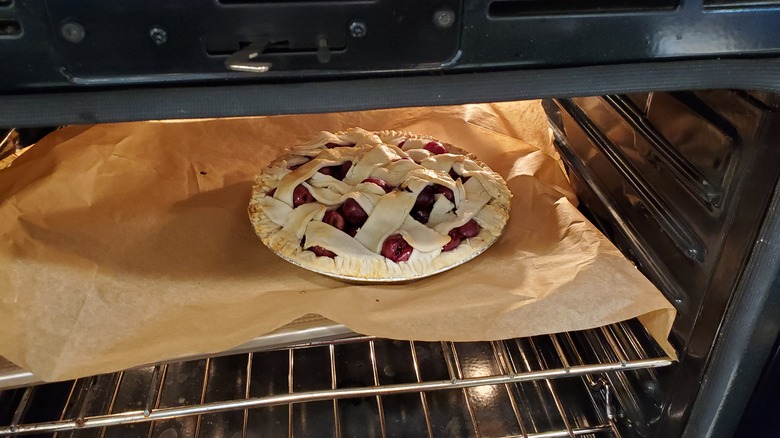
(394, 280)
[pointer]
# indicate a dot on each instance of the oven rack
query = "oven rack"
(541, 386)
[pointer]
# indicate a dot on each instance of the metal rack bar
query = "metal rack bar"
(290, 387)
(591, 386)
(158, 397)
(613, 345)
(501, 355)
(380, 408)
(336, 420)
(527, 364)
(113, 400)
(459, 377)
(554, 394)
(67, 402)
(21, 408)
(614, 348)
(423, 398)
(202, 394)
(247, 393)
(564, 434)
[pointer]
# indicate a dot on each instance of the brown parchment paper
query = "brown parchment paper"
(126, 244)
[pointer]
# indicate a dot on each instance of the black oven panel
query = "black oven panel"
(98, 42)
(59, 44)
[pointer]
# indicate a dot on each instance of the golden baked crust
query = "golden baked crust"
(400, 159)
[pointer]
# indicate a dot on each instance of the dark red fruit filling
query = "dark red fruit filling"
(435, 148)
(421, 211)
(396, 248)
(421, 216)
(401, 144)
(351, 229)
(454, 175)
(271, 192)
(425, 199)
(446, 192)
(338, 171)
(322, 252)
(301, 196)
(454, 240)
(470, 229)
(336, 145)
(334, 219)
(378, 182)
(353, 212)
(344, 169)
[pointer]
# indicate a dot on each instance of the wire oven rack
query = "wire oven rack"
(541, 387)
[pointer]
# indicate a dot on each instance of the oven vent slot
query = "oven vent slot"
(10, 28)
(291, 2)
(683, 237)
(522, 8)
(740, 4)
(566, 384)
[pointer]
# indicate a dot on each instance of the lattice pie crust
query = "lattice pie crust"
(321, 228)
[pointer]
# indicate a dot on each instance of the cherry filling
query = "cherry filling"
(336, 145)
(396, 248)
(322, 252)
(469, 229)
(344, 169)
(465, 231)
(271, 192)
(334, 219)
(425, 199)
(327, 170)
(353, 212)
(421, 211)
(351, 229)
(338, 171)
(301, 196)
(446, 192)
(435, 148)
(454, 240)
(421, 216)
(378, 182)
(454, 175)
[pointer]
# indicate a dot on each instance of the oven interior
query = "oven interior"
(672, 155)
(682, 182)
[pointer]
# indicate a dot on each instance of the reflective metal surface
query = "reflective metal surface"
(681, 182)
(544, 386)
(306, 329)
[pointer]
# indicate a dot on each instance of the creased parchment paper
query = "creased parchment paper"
(126, 244)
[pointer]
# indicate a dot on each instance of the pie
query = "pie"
(378, 206)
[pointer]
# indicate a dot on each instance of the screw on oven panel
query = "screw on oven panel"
(358, 29)
(158, 35)
(73, 32)
(10, 28)
(444, 18)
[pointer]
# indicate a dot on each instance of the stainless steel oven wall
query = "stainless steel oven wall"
(681, 182)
